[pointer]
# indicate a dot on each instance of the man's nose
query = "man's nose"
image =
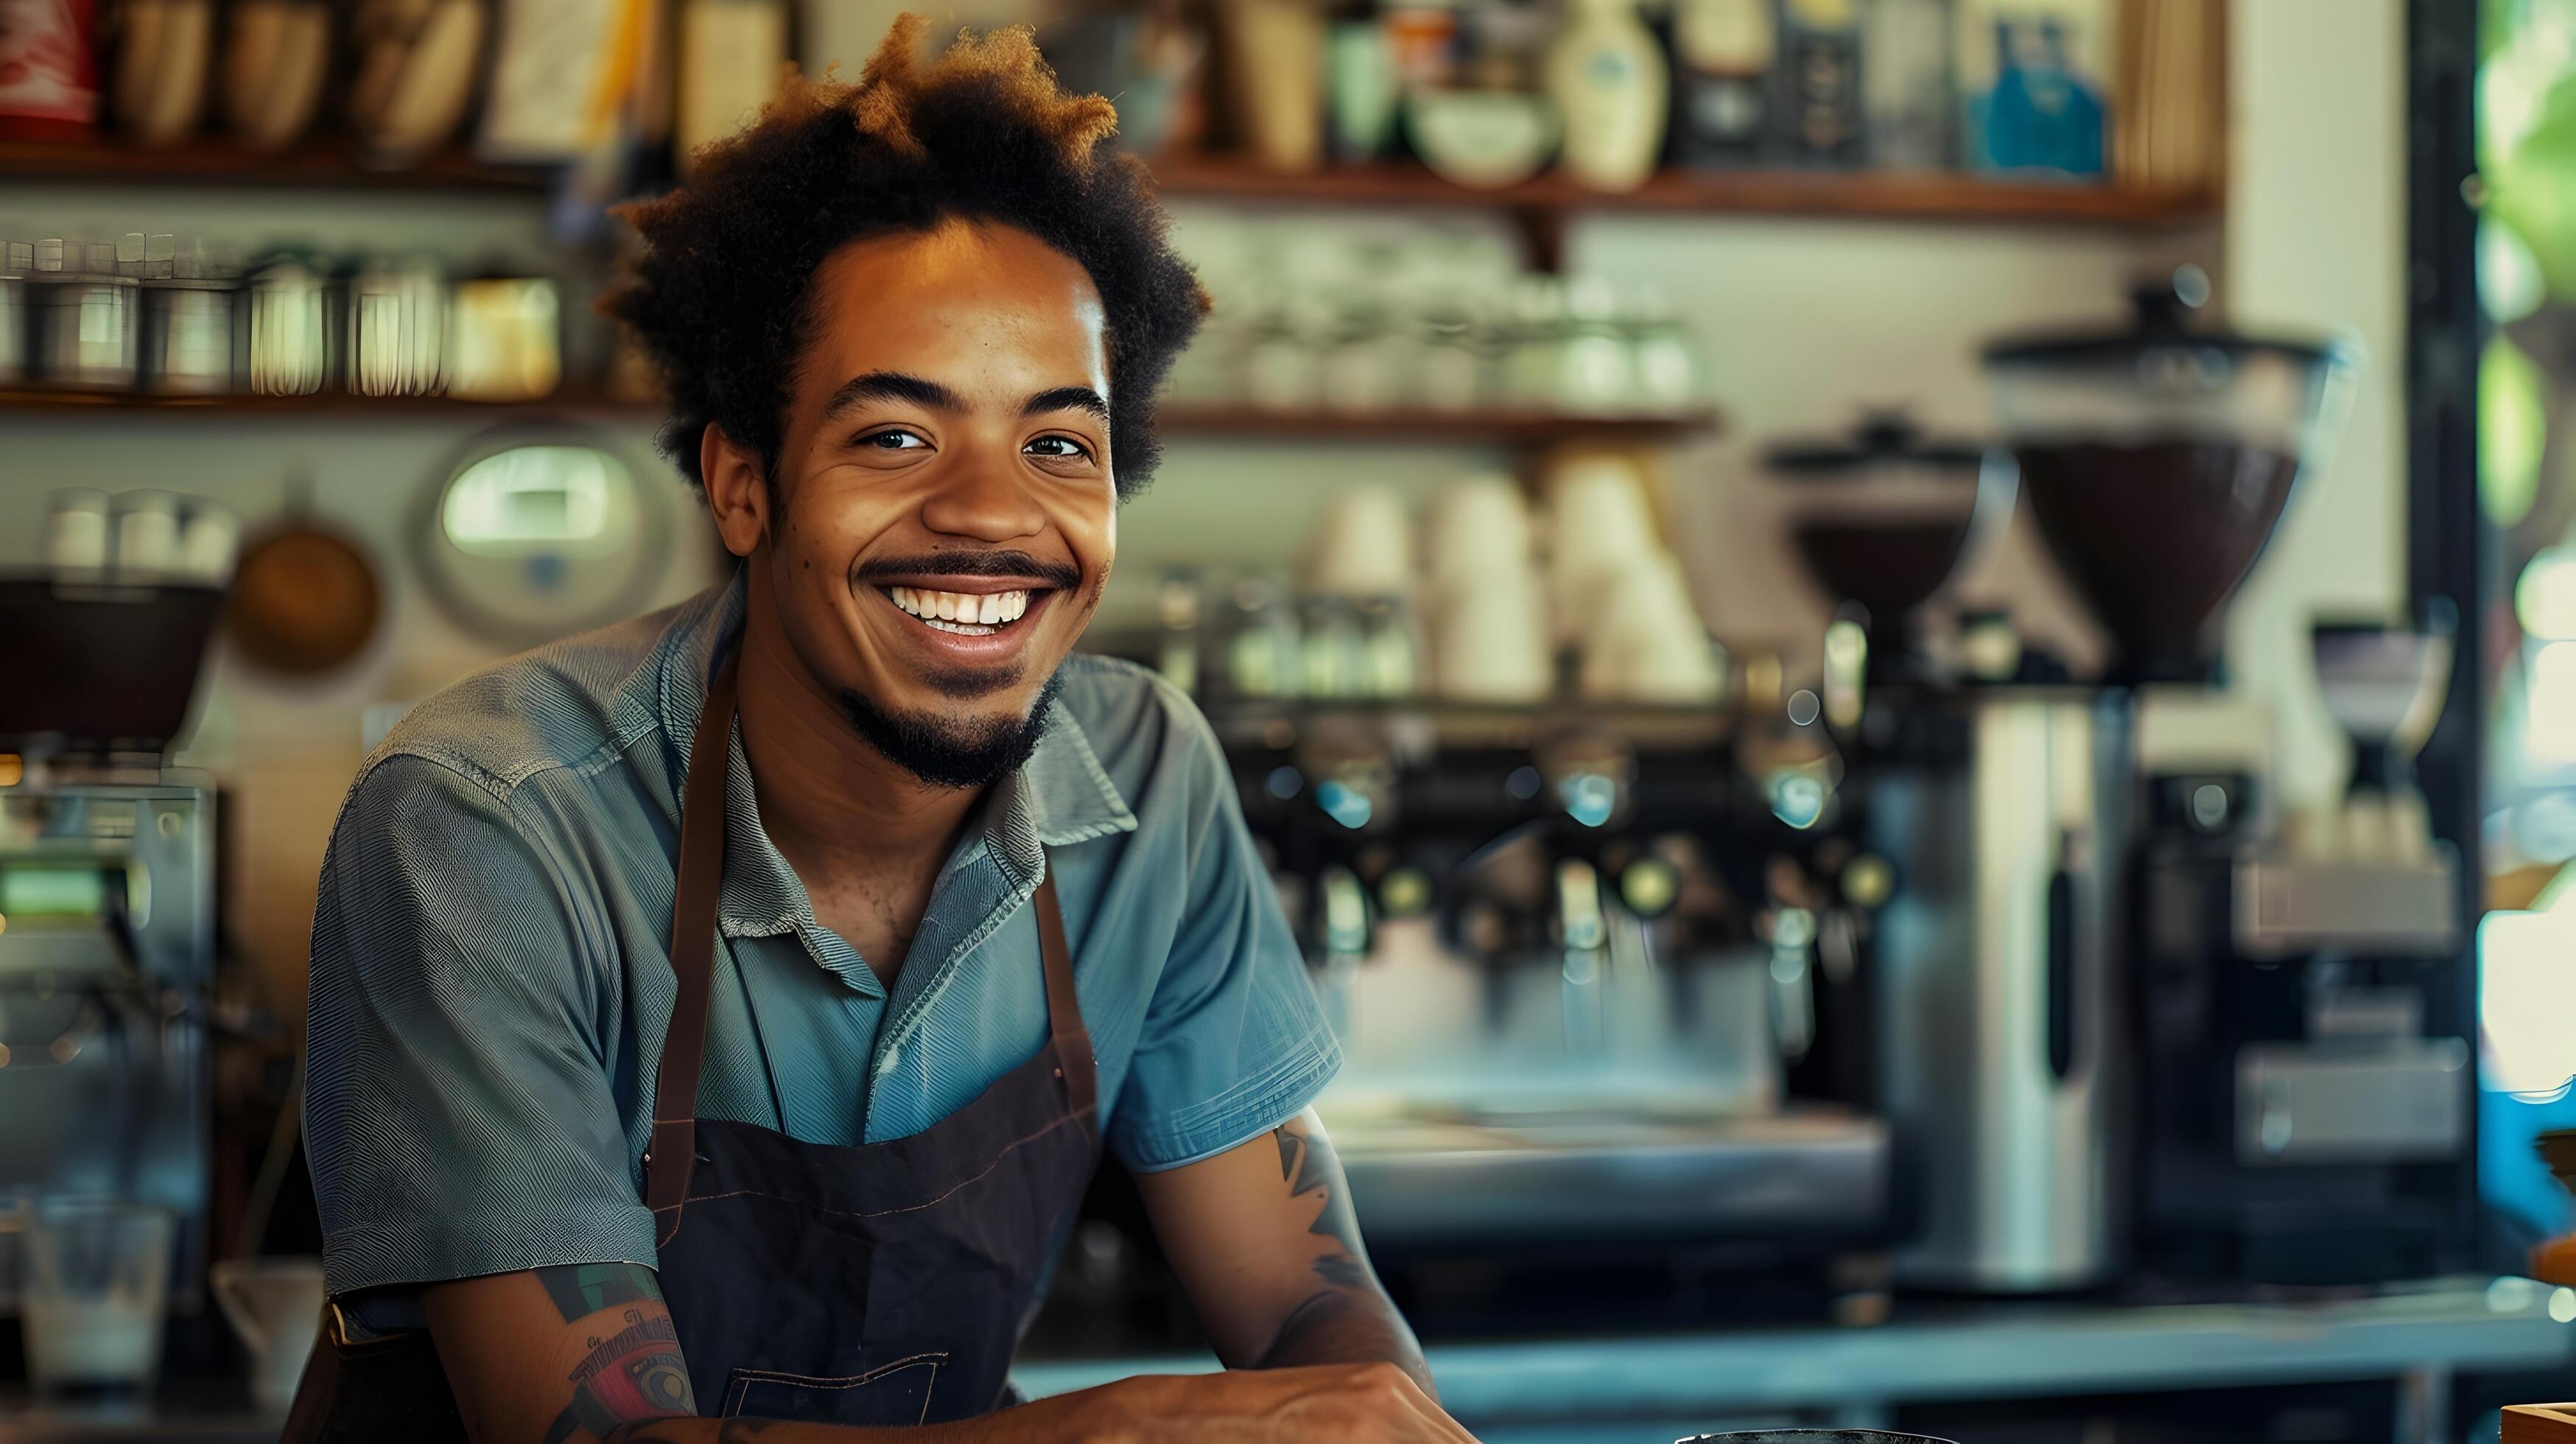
(985, 502)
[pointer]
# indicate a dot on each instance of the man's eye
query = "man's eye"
(896, 440)
(1058, 446)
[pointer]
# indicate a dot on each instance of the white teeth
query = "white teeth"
(973, 613)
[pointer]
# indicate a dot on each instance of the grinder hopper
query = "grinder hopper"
(2156, 461)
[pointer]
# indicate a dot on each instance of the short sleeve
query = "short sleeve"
(458, 1110)
(1234, 1043)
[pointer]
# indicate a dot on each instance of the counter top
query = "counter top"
(1986, 1351)
(208, 1413)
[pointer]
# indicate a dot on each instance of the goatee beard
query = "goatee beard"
(948, 753)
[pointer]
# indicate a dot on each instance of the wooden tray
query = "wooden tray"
(2540, 1424)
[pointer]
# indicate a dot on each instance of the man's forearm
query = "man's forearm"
(1348, 1326)
(1348, 1319)
(1043, 1422)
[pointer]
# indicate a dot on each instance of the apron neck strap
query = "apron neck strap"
(670, 1157)
(673, 1151)
(1066, 1032)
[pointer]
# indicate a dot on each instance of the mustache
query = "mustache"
(877, 571)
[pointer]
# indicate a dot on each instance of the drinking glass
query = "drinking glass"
(97, 1275)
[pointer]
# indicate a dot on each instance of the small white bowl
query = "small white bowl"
(1482, 139)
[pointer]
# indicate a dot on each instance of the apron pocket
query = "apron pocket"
(896, 1393)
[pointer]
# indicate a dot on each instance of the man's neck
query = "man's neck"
(835, 807)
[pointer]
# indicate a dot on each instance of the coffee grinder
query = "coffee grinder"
(1998, 799)
(2287, 1069)
(2306, 1097)
(2155, 460)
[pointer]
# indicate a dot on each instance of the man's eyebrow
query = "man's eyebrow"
(1066, 398)
(891, 386)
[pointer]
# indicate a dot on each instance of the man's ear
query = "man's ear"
(737, 490)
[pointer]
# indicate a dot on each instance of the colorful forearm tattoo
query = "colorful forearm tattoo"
(632, 1372)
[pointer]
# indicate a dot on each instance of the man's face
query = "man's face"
(944, 516)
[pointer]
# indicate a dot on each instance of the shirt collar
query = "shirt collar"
(1059, 797)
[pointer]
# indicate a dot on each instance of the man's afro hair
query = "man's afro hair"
(719, 294)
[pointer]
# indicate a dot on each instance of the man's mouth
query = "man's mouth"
(966, 614)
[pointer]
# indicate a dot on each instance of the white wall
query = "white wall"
(2316, 242)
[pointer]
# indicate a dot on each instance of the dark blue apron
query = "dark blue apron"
(873, 1284)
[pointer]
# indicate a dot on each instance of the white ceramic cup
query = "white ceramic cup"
(1474, 525)
(275, 1304)
(147, 532)
(1490, 640)
(1361, 547)
(76, 530)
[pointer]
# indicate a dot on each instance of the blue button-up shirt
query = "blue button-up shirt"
(492, 975)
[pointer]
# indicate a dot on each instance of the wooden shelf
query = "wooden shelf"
(1446, 428)
(333, 161)
(1882, 195)
(330, 162)
(1247, 725)
(1430, 428)
(321, 404)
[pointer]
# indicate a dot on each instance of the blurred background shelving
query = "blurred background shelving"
(1386, 340)
(1198, 421)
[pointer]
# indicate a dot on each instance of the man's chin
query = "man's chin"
(972, 684)
(946, 749)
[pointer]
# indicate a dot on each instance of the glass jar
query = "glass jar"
(1262, 651)
(1370, 363)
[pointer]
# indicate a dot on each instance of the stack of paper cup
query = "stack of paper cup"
(1487, 608)
(1362, 548)
(1619, 593)
(1476, 526)
(1645, 643)
(1598, 527)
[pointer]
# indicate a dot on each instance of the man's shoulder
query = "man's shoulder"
(570, 704)
(1112, 697)
(1144, 731)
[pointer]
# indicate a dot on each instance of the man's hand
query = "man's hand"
(1361, 1403)
(1264, 1241)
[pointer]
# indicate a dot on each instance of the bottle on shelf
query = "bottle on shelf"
(1816, 94)
(1906, 86)
(1607, 76)
(1722, 54)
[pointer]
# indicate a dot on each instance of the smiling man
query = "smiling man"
(722, 1014)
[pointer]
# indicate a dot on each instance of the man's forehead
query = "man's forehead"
(963, 284)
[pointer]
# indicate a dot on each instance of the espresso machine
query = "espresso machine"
(1569, 956)
(107, 899)
(1559, 980)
